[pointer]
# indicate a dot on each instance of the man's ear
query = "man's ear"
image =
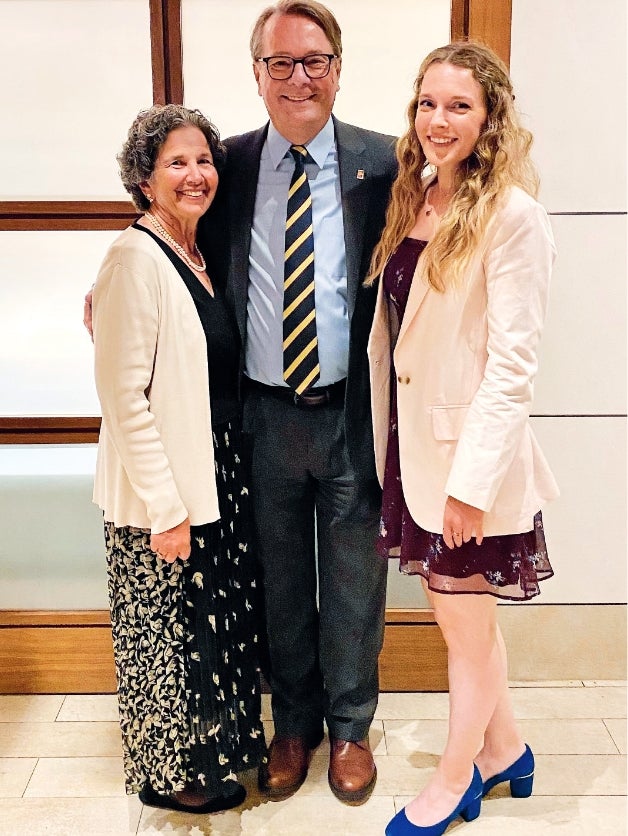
(256, 73)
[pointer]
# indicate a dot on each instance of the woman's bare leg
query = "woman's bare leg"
(477, 674)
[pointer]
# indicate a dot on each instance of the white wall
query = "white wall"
(568, 64)
(383, 45)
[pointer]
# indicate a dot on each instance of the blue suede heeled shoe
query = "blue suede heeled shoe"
(469, 809)
(520, 774)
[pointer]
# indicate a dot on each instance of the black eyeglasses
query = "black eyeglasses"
(281, 67)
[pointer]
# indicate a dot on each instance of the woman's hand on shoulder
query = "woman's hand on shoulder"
(173, 543)
(461, 522)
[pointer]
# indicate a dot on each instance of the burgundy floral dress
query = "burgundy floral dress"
(508, 566)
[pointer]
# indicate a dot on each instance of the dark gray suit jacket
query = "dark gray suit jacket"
(367, 169)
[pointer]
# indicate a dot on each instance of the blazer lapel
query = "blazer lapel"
(244, 170)
(419, 287)
(418, 292)
(352, 159)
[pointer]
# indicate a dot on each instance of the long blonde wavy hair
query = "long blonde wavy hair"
(499, 159)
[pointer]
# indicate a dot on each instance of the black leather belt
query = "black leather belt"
(317, 396)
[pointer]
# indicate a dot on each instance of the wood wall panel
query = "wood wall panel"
(49, 430)
(71, 653)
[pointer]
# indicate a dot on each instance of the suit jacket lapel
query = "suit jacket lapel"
(352, 158)
(243, 173)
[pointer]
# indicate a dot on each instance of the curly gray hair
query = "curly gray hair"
(146, 136)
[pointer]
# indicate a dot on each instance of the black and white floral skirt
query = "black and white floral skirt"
(185, 639)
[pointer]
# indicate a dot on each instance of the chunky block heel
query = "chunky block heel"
(468, 809)
(520, 774)
(473, 810)
(522, 787)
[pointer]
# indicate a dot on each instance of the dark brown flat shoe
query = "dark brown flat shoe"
(152, 798)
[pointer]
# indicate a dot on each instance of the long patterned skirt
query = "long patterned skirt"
(185, 638)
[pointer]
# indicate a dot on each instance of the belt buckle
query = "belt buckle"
(307, 401)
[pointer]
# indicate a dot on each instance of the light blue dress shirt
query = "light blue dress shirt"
(264, 329)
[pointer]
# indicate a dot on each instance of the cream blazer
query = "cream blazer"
(155, 462)
(465, 362)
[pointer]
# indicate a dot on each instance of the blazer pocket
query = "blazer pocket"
(447, 421)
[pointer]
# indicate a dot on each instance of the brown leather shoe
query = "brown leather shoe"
(286, 769)
(352, 772)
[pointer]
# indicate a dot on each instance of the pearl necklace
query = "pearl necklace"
(200, 268)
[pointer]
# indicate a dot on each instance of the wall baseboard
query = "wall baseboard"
(70, 652)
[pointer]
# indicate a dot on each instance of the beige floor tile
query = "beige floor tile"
(188, 824)
(89, 708)
(585, 775)
(396, 706)
(407, 737)
(397, 775)
(547, 683)
(14, 776)
(569, 703)
(566, 775)
(618, 732)
(301, 816)
(70, 817)
(57, 740)
(558, 737)
(560, 816)
(568, 737)
(31, 708)
(296, 816)
(77, 778)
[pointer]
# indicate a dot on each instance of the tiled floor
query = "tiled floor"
(61, 773)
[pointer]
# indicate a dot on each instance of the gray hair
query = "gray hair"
(315, 11)
(147, 134)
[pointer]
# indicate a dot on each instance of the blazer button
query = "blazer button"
(401, 379)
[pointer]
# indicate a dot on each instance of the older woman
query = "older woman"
(465, 263)
(170, 482)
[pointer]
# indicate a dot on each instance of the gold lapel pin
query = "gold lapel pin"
(360, 174)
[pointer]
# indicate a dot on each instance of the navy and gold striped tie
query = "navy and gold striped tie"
(300, 344)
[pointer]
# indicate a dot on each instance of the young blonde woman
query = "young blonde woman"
(464, 267)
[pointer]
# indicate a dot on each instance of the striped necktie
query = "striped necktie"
(300, 344)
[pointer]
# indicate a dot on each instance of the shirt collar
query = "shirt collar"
(318, 148)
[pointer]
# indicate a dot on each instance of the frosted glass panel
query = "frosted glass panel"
(383, 46)
(46, 356)
(75, 73)
(52, 554)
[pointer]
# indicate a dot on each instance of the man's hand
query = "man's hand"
(461, 522)
(173, 543)
(87, 312)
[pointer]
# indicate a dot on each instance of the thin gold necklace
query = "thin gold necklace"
(200, 268)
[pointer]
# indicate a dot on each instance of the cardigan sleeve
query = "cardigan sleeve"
(518, 267)
(126, 330)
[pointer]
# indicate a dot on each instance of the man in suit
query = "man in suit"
(315, 496)
(316, 499)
